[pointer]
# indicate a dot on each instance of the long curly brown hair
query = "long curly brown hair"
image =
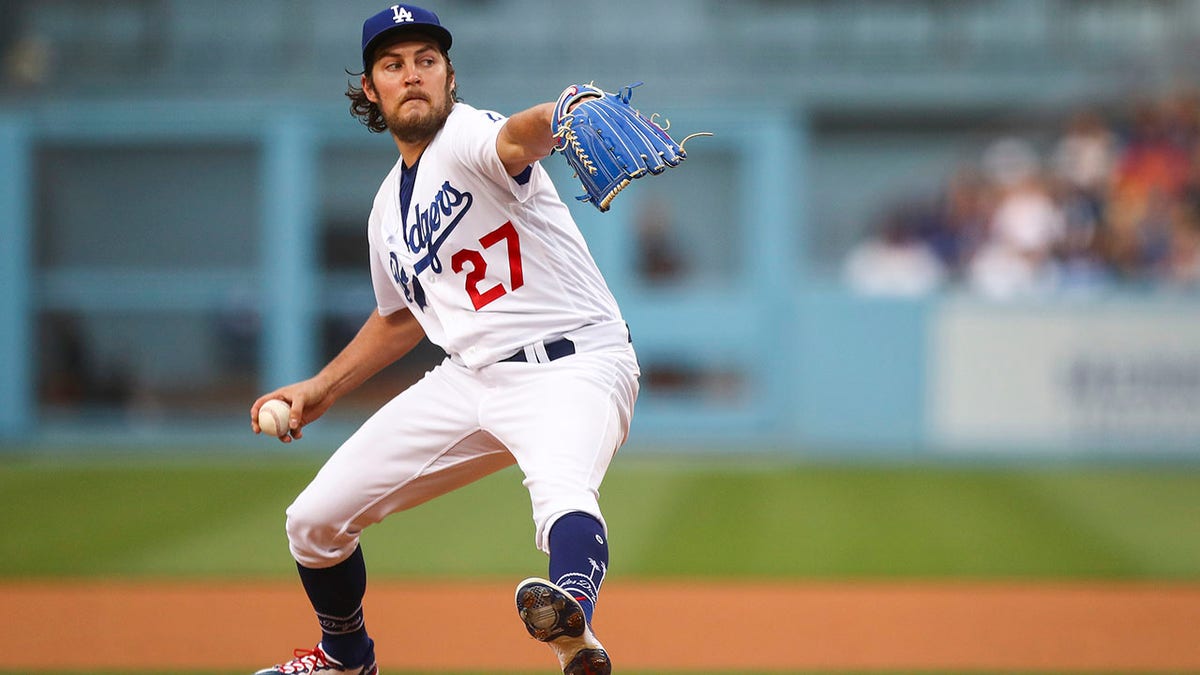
(368, 113)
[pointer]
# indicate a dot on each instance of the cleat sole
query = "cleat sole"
(589, 662)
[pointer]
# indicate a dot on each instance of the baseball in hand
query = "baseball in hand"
(273, 417)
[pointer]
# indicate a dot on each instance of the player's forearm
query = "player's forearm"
(381, 341)
(526, 138)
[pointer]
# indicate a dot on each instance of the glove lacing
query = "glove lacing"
(567, 134)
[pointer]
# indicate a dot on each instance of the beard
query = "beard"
(414, 127)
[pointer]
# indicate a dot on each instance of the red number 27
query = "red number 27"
(516, 278)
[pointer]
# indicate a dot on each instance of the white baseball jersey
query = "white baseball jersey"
(487, 263)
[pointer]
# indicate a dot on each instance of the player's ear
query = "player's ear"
(368, 88)
(451, 83)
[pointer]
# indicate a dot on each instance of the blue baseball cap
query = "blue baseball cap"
(401, 18)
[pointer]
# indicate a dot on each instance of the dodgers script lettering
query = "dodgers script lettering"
(440, 218)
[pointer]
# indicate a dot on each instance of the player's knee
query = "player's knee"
(315, 541)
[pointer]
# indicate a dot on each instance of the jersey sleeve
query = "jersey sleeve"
(476, 146)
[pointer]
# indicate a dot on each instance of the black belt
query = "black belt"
(554, 350)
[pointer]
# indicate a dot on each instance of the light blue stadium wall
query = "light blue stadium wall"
(17, 412)
(861, 378)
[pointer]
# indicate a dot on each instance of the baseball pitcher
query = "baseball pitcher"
(471, 246)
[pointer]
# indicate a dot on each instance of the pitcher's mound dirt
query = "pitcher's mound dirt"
(130, 626)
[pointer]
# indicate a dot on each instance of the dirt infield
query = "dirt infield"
(132, 626)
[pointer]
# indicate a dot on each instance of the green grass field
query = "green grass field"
(201, 515)
(193, 517)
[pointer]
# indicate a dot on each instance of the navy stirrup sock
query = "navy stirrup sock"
(579, 557)
(336, 594)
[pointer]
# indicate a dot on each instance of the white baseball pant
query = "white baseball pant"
(561, 421)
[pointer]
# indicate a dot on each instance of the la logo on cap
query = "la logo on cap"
(401, 15)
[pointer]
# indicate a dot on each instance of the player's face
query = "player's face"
(411, 82)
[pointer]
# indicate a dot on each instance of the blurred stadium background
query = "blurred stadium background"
(922, 227)
(948, 251)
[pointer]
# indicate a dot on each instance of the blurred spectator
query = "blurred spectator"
(71, 374)
(1079, 262)
(1152, 162)
(1025, 229)
(1183, 118)
(1085, 156)
(895, 262)
(1027, 219)
(658, 257)
(1182, 263)
(1112, 205)
(1010, 161)
(27, 62)
(24, 55)
(956, 225)
(659, 262)
(1151, 174)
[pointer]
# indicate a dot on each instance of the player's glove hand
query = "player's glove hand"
(608, 143)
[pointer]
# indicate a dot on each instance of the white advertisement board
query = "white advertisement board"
(1121, 377)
